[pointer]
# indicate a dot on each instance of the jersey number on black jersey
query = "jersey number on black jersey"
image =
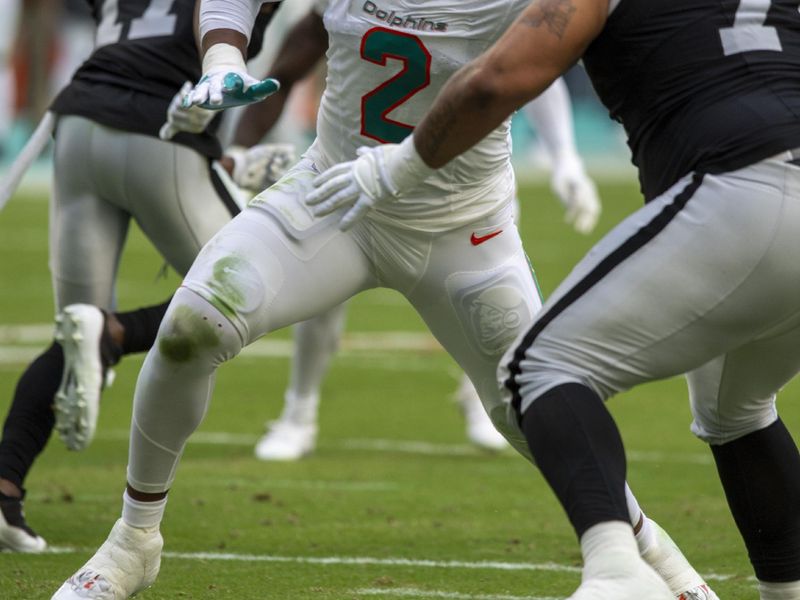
(749, 33)
(155, 21)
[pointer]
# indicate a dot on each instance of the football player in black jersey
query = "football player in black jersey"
(111, 167)
(704, 279)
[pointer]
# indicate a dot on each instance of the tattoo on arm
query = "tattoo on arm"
(439, 124)
(553, 14)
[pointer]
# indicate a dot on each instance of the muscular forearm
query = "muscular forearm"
(543, 42)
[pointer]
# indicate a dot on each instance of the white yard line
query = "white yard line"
(417, 593)
(216, 438)
(370, 560)
(19, 344)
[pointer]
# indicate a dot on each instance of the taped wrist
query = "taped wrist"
(405, 167)
(223, 57)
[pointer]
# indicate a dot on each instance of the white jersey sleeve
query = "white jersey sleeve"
(387, 61)
(239, 15)
(551, 116)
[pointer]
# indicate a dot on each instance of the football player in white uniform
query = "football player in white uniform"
(449, 245)
(294, 433)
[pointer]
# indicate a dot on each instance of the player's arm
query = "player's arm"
(256, 166)
(542, 43)
(224, 31)
(545, 40)
(300, 52)
(551, 115)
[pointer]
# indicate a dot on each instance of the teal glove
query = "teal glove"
(218, 91)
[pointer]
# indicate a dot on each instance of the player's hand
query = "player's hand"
(257, 168)
(191, 120)
(359, 185)
(578, 193)
(225, 88)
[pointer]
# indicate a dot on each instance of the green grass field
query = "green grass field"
(394, 504)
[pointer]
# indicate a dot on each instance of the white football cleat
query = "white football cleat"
(631, 580)
(287, 441)
(701, 592)
(15, 534)
(613, 569)
(88, 352)
(126, 563)
(670, 563)
(480, 430)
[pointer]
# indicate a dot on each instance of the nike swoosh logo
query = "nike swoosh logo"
(476, 240)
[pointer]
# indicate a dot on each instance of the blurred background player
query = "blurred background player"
(110, 167)
(9, 23)
(279, 262)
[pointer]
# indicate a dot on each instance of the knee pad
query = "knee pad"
(194, 330)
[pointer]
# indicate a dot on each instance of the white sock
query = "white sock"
(646, 536)
(609, 542)
(300, 410)
(779, 591)
(144, 515)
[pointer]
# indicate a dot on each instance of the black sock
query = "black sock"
(760, 473)
(30, 419)
(141, 327)
(578, 449)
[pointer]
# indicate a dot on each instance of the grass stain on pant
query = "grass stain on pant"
(189, 331)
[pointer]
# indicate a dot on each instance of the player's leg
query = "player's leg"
(294, 434)
(85, 239)
(475, 314)
(670, 288)
(733, 403)
(479, 427)
(179, 202)
(271, 266)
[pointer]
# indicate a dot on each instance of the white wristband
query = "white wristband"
(405, 166)
(223, 57)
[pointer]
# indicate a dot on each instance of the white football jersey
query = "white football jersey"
(387, 61)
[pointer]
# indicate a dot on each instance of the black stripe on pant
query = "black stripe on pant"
(604, 267)
(223, 192)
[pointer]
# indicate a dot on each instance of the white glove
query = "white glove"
(191, 120)
(257, 168)
(359, 184)
(578, 193)
(377, 176)
(226, 82)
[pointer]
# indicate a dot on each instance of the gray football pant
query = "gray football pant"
(703, 280)
(103, 178)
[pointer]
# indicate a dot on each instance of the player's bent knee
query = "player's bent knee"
(717, 426)
(193, 329)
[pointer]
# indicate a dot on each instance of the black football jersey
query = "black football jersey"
(707, 85)
(144, 51)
